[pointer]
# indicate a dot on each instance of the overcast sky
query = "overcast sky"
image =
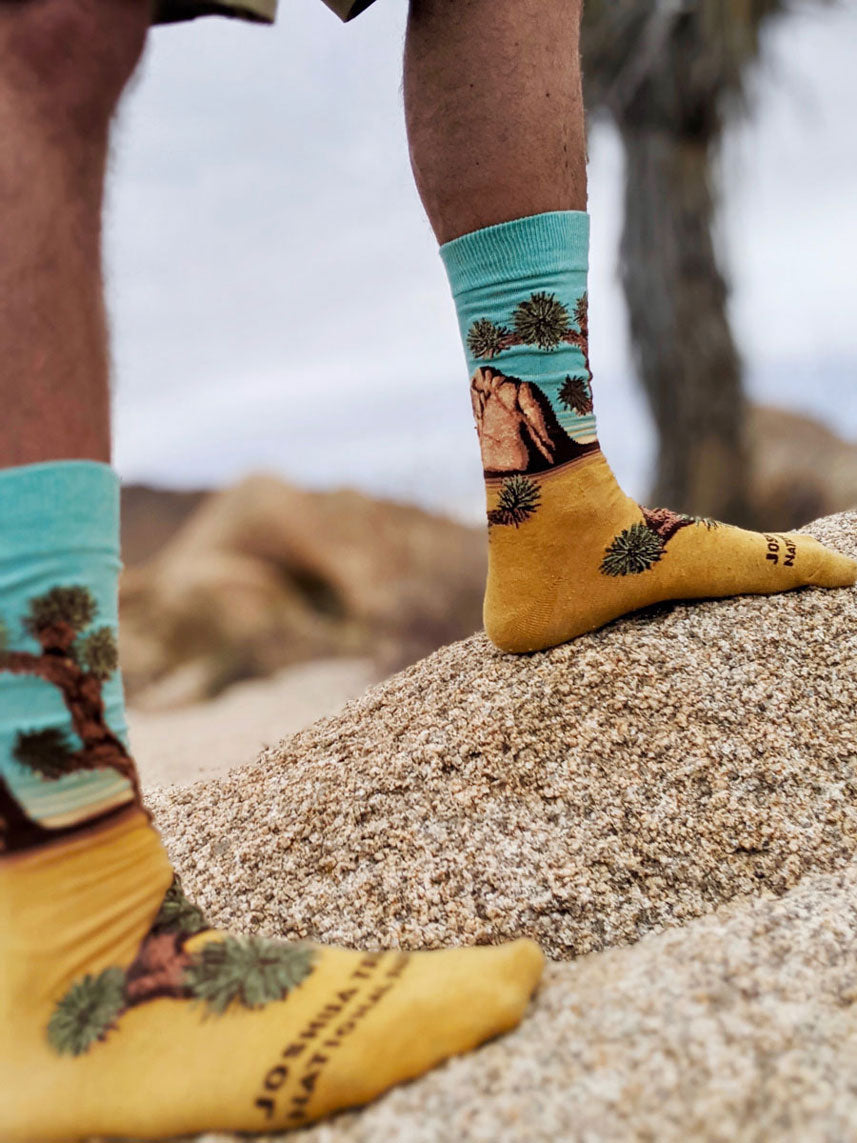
(276, 294)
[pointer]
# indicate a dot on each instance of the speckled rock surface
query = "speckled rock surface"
(691, 759)
(739, 1028)
(628, 781)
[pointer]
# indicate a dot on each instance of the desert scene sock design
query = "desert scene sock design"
(569, 551)
(64, 762)
(77, 659)
(117, 995)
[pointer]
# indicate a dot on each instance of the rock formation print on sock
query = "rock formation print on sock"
(246, 971)
(77, 660)
(640, 547)
(542, 321)
(518, 430)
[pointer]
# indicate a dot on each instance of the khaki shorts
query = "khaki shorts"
(168, 11)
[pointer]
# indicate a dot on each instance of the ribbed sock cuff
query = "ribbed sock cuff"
(67, 505)
(543, 243)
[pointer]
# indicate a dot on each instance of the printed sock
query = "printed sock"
(569, 551)
(123, 1012)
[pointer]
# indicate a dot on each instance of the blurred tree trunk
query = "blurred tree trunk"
(671, 73)
(685, 353)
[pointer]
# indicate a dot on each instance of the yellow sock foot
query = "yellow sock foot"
(568, 550)
(125, 1015)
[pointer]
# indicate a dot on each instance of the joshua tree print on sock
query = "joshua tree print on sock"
(576, 396)
(519, 498)
(541, 321)
(77, 659)
(249, 972)
(640, 547)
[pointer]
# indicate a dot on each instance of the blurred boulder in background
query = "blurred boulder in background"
(151, 516)
(265, 575)
(237, 584)
(801, 469)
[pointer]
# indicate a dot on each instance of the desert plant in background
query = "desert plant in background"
(671, 75)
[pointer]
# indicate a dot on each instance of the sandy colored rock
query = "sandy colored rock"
(739, 1028)
(237, 584)
(631, 780)
(150, 517)
(801, 469)
(685, 760)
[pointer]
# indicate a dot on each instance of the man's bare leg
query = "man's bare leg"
(494, 110)
(495, 123)
(64, 66)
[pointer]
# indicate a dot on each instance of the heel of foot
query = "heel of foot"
(513, 633)
(524, 630)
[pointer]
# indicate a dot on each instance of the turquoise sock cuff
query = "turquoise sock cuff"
(59, 506)
(540, 245)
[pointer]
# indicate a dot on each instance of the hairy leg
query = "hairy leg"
(65, 64)
(494, 110)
